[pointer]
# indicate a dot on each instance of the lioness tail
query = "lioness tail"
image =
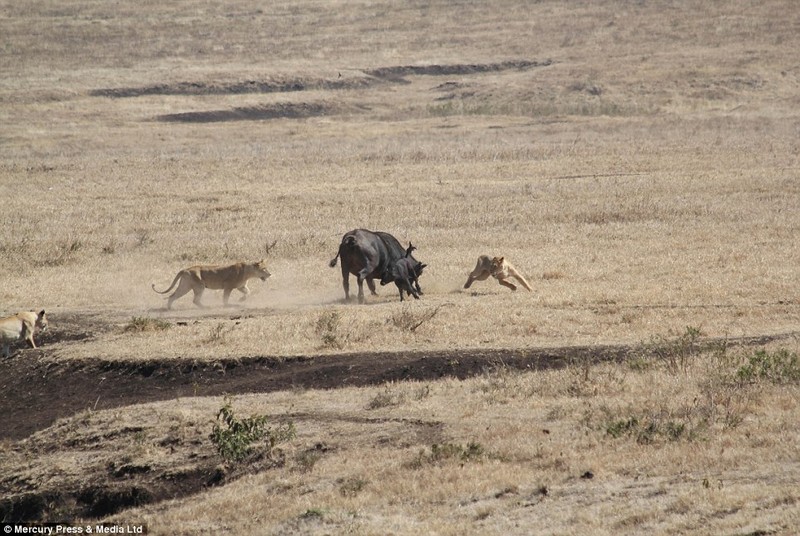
(174, 282)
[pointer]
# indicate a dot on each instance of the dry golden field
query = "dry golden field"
(639, 162)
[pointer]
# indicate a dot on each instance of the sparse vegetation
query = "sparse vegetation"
(238, 438)
(445, 452)
(328, 328)
(66, 253)
(410, 319)
(139, 324)
(350, 487)
(385, 398)
(780, 366)
(307, 459)
(647, 429)
(676, 353)
(219, 333)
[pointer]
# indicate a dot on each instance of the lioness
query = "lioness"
(199, 278)
(500, 269)
(21, 326)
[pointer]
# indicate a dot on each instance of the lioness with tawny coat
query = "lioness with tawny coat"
(229, 277)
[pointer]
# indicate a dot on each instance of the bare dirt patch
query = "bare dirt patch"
(36, 392)
(284, 110)
(232, 88)
(396, 73)
(381, 75)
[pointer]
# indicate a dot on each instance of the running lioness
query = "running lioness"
(21, 326)
(500, 269)
(199, 278)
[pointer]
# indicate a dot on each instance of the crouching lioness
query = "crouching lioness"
(199, 278)
(21, 326)
(500, 269)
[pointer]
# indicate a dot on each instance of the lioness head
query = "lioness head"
(497, 265)
(41, 320)
(260, 270)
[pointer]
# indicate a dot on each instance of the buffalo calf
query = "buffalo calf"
(405, 273)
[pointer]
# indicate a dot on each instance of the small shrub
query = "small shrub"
(422, 392)
(218, 333)
(235, 439)
(65, 254)
(781, 366)
(676, 353)
(306, 460)
(410, 320)
(313, 513)
(674, 430)
(440, 453)
(327, 327)
(619, 428)
(110, 248)
(385, 399)
(647, 429)
(351, 487)
(405, 319)
(139, 324)
(639, 364)
(580, 381)
(143, 238)
(381, 400)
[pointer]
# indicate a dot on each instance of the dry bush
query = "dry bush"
(141, 324)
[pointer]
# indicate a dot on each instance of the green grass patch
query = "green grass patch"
(777, 367)
(235, 439)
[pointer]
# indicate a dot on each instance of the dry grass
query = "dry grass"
(643, 175)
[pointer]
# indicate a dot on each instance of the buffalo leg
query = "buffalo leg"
(346, 283)
(360, 288)
(361, 277)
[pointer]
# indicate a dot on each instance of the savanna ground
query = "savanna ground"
(637, 161)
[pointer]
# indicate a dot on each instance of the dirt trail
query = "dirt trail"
(34, 393)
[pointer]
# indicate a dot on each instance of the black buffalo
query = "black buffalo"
(405, 273)
(367, 255)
